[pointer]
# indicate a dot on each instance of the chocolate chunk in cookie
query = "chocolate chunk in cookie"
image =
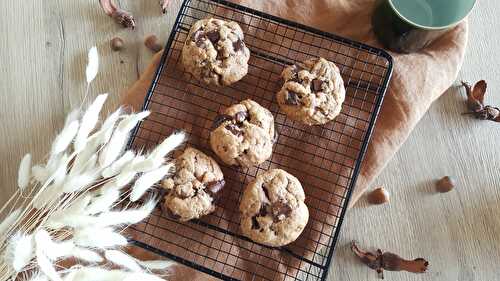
(213, 36)
(219, 119)
(292, 98)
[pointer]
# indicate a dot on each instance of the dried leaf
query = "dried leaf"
(388, 261)
(479, 90)
(24, 173)
(93, 65)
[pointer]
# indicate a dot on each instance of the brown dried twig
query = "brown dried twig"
(164, 5)
(122, 17)
(475, 102)
(379, 261)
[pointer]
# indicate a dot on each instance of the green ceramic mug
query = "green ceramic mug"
(409, 25)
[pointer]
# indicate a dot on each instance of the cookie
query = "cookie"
(192, 191)
(313, 92)
(243, 135)
(215, 53)
(272, 209)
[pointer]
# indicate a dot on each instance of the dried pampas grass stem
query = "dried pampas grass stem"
(74, 207)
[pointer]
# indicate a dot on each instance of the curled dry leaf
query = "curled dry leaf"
(120, 16)
(475, 102)
(380, 261)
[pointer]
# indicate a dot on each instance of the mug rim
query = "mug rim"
(432, 27)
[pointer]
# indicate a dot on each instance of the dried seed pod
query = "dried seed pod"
(117, 44)
(445, 184)
(379, 261)
(122, 17)
(152, 43)
(164, 5)
(378, 196)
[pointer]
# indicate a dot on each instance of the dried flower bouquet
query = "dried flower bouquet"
(65, 220)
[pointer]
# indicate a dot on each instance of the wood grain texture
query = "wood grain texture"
(43, 56)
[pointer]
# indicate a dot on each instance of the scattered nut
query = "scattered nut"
(152, 43)
(117, 44)
(445, 184)
(378, 196)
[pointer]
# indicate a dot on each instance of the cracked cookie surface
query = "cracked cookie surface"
(215, 53)
(243, 135)
(313, 92)
(192, 191)
(272, 209)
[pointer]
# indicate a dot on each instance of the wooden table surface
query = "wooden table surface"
(43, 56)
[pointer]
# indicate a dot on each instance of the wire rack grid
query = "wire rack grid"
(326, 159)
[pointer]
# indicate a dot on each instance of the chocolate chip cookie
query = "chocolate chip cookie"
(272, 209)
(243, 135)
(214, 52)
(313, 91)
(193, 189)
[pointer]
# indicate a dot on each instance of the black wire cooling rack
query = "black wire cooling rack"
(326, 159)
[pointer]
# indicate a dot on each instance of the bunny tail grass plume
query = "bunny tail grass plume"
(87, 255)
(86, 237)
(169, 144)
(64, 139)
(103, 202)
(24, 173)
(74, 206)
(122, 259)
(115, 168)
(93, 65)
(156, 264)
(144, 182)
(89, 120)
(127, 216)
(9, 221)
(19, 252)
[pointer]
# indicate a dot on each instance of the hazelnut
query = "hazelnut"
(117, 44)
(445, 184)
(378, 196)
(152, 43)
